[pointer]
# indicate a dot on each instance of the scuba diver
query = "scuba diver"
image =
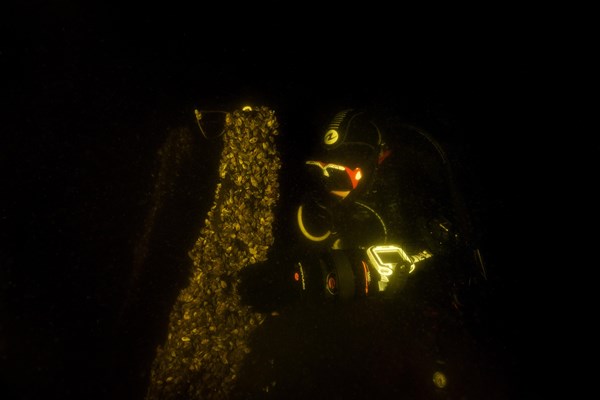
(373, 278)
(379, 204)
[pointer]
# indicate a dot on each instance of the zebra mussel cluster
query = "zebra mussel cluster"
(209, 327)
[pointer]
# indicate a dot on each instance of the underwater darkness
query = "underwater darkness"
(91, 100)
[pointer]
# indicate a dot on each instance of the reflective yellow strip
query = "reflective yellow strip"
(305, 232)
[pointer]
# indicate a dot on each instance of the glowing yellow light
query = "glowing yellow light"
(439, 379)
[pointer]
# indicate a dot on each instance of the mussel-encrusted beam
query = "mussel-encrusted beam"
(209, 327)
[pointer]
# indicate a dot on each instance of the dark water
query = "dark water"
(91, 97)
